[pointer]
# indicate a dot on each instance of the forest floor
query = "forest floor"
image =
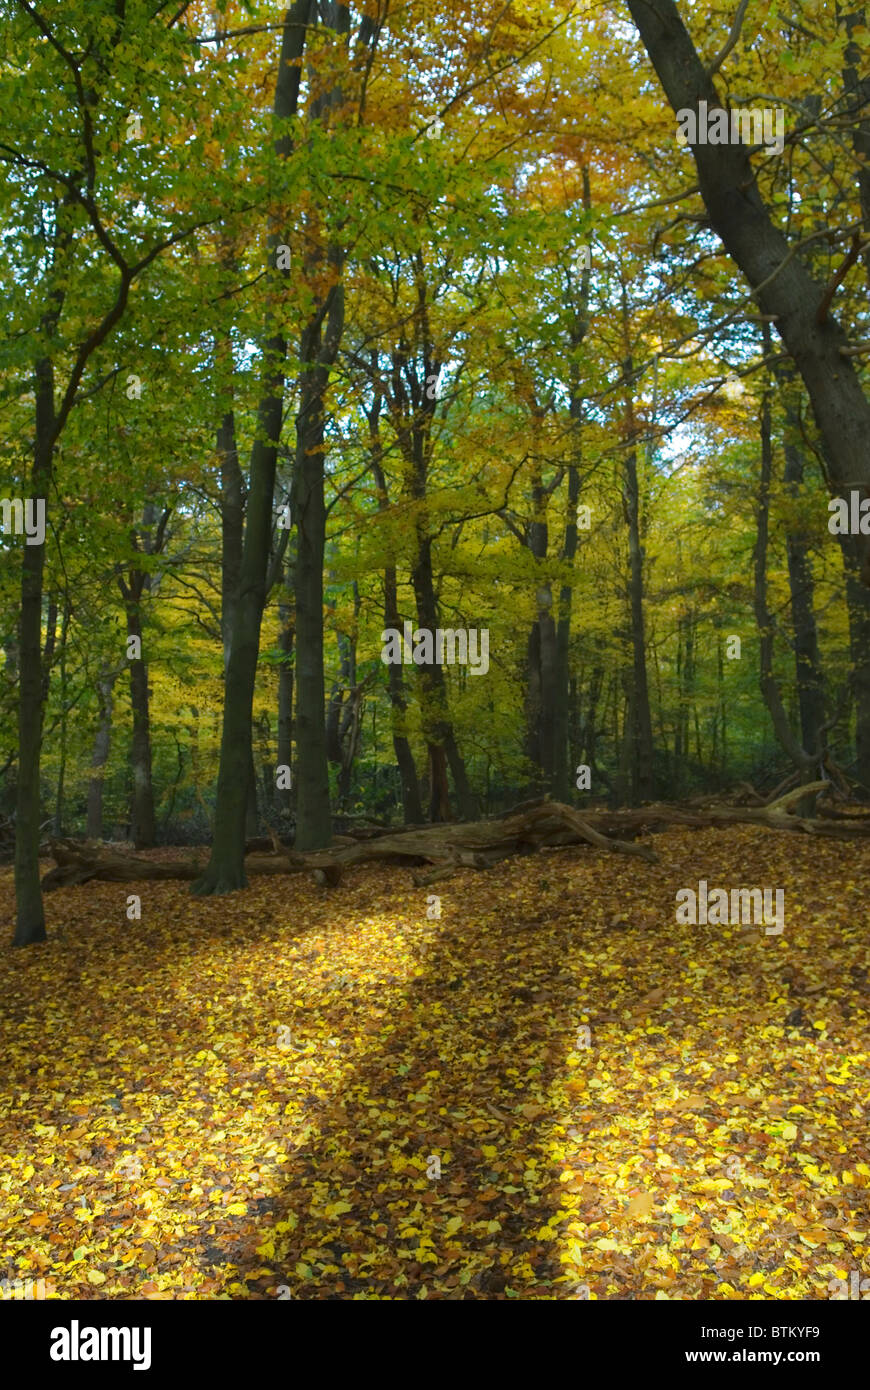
(250, 1096)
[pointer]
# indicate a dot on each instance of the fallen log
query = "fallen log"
(774, 816)
(444, 847)
(437, 851)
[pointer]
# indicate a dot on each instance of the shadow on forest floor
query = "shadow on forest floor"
(253, 1096)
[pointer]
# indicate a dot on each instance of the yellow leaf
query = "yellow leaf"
(641, 1205)
(338, 1209)
(453, 1225)
(95, 1277)
(237, 1209)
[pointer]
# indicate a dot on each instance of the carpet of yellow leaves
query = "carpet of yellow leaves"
(251, 1097)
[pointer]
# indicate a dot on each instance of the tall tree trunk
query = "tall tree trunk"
(232, 521)
(858, 604)
(439, 789)
(802, 759)
(232, 506)
(642, 784)
(225, 871)
(784, 287)
(286, 632)
(562, 777)
(412, 807)
(32, 682)
(100, 755)
(541, 649)
(318, 349)
(133, 589)
(64, 721)
(857, 91)
(317, 354)
(541, 645)
(343, 718)
(433, 701)
(808, 665)
(142, 827)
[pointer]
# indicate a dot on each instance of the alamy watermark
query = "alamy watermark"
(445, 645)
(849, 517)
(76, 1343)
(27, 516)
(744, 907)
(26, 1288)
(717, 127)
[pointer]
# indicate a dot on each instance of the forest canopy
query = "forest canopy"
(409, 411)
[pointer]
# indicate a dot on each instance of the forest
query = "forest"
(434, 437)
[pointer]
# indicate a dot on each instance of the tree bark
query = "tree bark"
(802, 758)
(100, 755)
(858, 605)
(32, 681)
(857, 90)
(232, 505)
(562, 779)
(412, 805)
(317, 354)
(433, 697)
(64, 720)
(640, 722)
(808, 662)
(133, 589)
(286, 631)
(142, 804)
(226, 869)
(318, 349)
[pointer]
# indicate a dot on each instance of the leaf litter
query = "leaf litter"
(552, 1091)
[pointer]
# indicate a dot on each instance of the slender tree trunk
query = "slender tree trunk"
(225, 871)
(232, 537)
(641, 723)
(313, 817)
(858, 604)
(32, 683)
(802, 759)
(808, 666)
(232, 524)
(857, 90)
(284, 795)
(439, 790)
(562, 778)
(436, 718)
(541, 648)
(412, 807)
(100, 755)
(142, 806)
(318, 349)
(64, 722)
